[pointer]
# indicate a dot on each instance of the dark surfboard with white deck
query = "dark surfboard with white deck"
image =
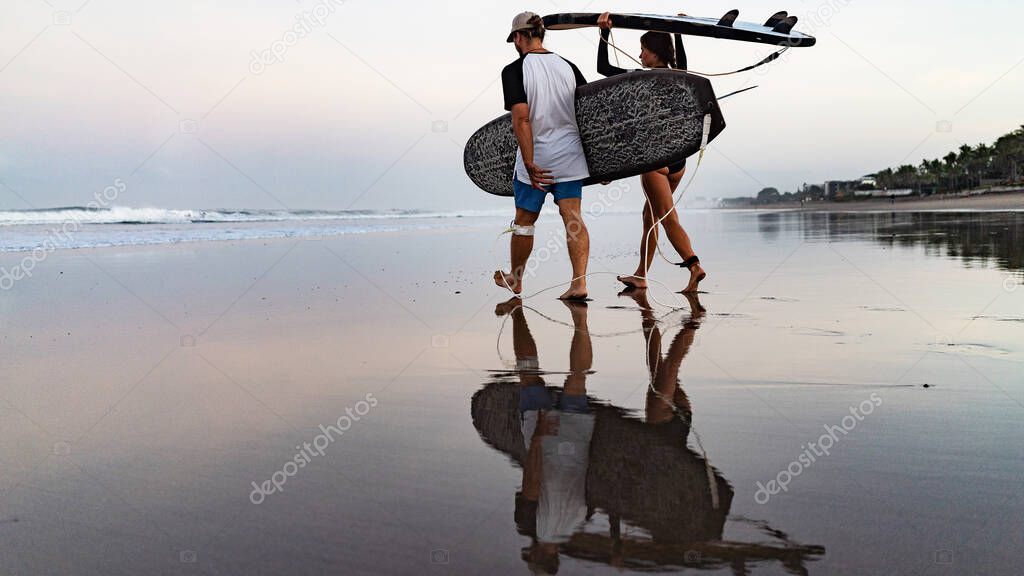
(630, 124)
(777, 30)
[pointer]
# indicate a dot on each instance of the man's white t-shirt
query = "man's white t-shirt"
(547, 83)
(565, 457)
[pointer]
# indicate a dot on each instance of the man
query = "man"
(540, 90)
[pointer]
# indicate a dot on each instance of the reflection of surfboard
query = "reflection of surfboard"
(668, 490)
(630, 124)
(726, 28)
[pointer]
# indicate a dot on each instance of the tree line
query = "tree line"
(998, 164)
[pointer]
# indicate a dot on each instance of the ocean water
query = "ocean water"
(84, 227)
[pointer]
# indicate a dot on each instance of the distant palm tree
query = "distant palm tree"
(965, 168)
(952, 171)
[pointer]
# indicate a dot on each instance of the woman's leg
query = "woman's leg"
(659, 186)
(648, 246)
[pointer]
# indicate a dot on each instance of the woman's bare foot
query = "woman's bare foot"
(696, 275)
(634, 281)
(506, 280)
(577, 291)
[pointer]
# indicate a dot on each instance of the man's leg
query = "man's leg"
(521, 246)
(581, 351)
(578, 241)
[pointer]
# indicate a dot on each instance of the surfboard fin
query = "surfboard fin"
(786, 25)
(776, 18)
(729, 18)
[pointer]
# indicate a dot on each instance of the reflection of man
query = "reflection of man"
(557, 429)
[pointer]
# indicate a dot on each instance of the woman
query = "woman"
(656, 51)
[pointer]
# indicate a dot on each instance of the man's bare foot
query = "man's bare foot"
(577, 291)
(508, 306)
(633, 281)
(506, 280)
(696, 275)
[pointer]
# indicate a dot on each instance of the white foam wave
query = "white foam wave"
(128, 215)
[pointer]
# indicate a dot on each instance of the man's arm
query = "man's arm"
(524, 135)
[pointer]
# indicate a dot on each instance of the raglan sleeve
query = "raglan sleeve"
(580, 80)
(512, 84)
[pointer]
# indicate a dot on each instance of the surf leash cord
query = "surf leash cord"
(770, 58)
(512, 229)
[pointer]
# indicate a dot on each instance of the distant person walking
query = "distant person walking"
(540, 89)
(656, 51)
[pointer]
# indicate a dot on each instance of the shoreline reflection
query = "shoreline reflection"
(970, 237)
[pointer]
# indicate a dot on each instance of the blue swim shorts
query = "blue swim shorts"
(530, 198)
(534, 397)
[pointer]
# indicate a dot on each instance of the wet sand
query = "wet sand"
(147, 389)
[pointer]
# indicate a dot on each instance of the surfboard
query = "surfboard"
(777, 30)
(629, 124)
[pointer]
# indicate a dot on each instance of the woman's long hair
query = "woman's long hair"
(660, 43)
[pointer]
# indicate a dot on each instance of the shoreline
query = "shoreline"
(992, 201)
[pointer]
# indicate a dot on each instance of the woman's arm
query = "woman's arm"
(680, 53)
(603, 66)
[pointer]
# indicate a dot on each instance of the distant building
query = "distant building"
(863, 186)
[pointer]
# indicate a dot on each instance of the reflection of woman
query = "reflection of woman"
(665, 396)
(656, 51)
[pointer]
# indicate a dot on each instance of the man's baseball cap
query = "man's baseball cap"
(520, 22)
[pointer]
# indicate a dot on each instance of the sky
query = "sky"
(214, 104)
